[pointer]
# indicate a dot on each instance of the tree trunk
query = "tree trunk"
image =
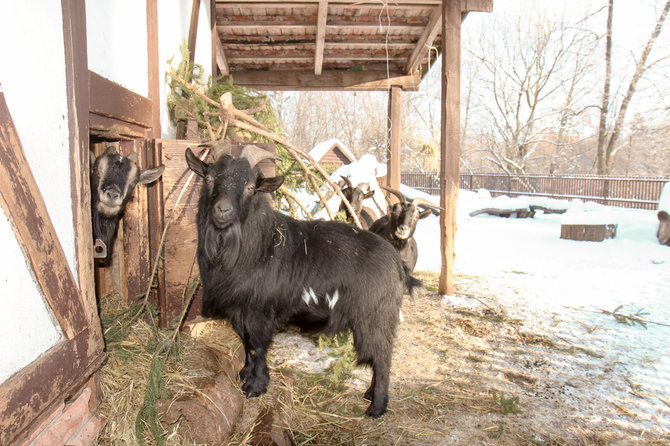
(602, 128)
(607, 147)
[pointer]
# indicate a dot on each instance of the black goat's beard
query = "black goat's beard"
(222, 246)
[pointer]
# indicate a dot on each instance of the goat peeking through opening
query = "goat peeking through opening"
(262, 270)
(113, 179)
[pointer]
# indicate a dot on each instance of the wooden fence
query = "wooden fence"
(640, 193)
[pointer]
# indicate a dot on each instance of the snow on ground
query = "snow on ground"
(562, 286)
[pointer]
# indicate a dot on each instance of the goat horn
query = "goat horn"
(255, 155)
(347, 181)
(395, 192)
(219, 148)
(425, 203)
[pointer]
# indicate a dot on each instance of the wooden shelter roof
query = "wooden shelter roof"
(329, 45)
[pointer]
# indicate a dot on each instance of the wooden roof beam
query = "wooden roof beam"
(470, 5)
(370, 80)
(426, 40)
(221, 60)
(466, 5)
(434, 26)
(320, 36)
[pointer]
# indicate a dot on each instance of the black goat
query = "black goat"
(263, 270)
(113, 178)
(356, 196)
(399, 225)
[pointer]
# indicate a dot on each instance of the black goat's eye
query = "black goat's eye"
(251, 187)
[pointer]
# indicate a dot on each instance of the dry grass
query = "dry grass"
(461, 375)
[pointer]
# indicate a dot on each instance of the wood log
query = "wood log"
(519, 213)
(588, 233)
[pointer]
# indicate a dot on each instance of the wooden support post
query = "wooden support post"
(394, 134)
(450, 139)
(193, 29)
(153, 66)
(182, 126)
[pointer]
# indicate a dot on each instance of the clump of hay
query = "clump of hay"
(126, 372)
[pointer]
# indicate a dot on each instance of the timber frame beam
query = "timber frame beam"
(328, 80)
(450, 140)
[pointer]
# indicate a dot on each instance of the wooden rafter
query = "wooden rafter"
(470, 5)
(329, 79)
(320, 36)
(426, 40)
(193, 29)
(221, 60)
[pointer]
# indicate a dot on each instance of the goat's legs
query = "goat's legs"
(255, 375)
(379, 387)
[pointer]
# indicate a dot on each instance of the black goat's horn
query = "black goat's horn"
(347, 181)
(219, 148)
(425, 203)
(395, 192)
(255, 154)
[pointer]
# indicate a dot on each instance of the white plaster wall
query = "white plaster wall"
(32, 75)
(174, 18)
(27, 328)
(116, 34)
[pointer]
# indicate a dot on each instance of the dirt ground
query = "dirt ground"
(464, 373)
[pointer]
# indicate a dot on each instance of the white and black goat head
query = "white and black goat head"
(399, 225)
(405, 214)
(663, 233)
(113, 178)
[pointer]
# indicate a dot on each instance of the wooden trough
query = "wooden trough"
(588, 232)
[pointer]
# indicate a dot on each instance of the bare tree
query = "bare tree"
(534, 66)
(608, 138)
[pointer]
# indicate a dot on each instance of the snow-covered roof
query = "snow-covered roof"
(322, 148)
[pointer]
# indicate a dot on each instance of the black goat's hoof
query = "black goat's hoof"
(252, 389)
(375, 412)
(245, 374)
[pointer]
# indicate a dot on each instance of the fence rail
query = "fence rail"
(640, 193)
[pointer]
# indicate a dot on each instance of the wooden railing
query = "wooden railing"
(640, 193)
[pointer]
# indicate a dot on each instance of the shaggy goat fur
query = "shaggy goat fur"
(262, 270)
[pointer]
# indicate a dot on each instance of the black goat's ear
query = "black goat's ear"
(197, 166)
(151, 175)
(425, 213)
(369, 194)
(663, 216)
(269, 184)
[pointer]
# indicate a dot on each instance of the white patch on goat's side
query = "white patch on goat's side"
(305, 296)
(332, 300)
(309, 296)
(313, 296)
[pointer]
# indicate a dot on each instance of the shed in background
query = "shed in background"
(332, 151)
